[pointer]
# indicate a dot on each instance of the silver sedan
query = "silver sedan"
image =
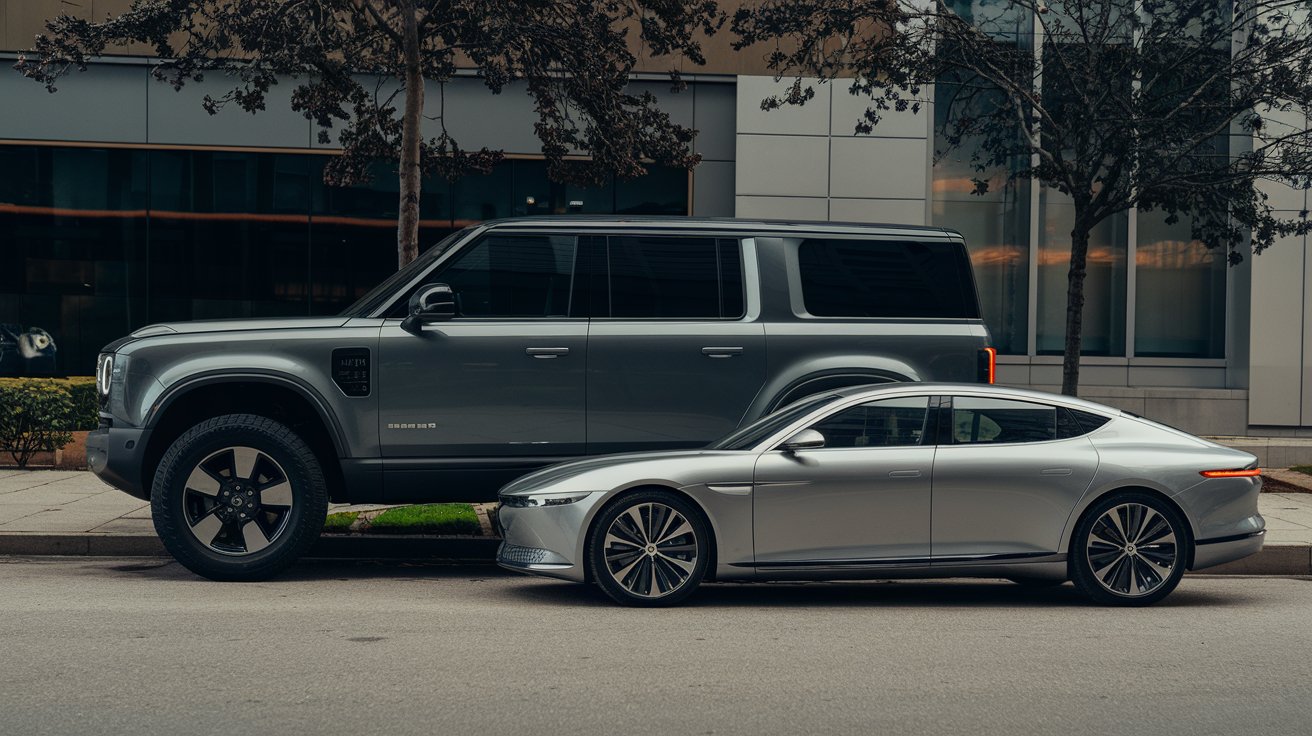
(902, 480)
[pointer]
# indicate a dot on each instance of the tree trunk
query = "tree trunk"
(407, 230)
(1070, 364)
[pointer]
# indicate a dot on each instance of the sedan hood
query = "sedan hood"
(564, 471)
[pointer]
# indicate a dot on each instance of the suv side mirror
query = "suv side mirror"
(807, 439)
(433, 303)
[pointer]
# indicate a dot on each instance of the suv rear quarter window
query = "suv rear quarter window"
(850, 277)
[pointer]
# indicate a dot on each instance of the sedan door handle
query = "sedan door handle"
(1055, 471)
(547, 352)
(725, 352)
(904, 474)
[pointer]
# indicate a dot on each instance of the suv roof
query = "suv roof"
(727, 224)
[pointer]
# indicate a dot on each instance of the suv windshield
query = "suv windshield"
(380, 293)
(749, 436)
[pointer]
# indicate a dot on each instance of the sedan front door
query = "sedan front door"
(862, 499)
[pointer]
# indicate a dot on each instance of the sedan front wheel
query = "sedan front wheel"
(649, 549)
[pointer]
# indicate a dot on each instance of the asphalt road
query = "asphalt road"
(90, 646)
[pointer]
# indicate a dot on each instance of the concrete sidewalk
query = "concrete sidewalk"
(74, 513)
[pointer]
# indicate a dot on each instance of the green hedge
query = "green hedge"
(40, 414)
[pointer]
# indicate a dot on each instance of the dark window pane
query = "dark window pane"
(72, 255)
(998, 421)
(670, 278)
(512, 276)
(887, 423)
(879, 278)
(662, 191)
(1088, 420)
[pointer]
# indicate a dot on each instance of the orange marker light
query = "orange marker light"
(1245, 473)
(988, 360)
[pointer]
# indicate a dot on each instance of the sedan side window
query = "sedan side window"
(886, 423)
(997, 421)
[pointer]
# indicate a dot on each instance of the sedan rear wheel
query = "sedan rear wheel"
(649, 549)
(1130, 550)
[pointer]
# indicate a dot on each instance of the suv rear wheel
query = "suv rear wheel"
(239, 497)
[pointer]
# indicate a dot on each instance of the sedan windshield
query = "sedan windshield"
(380, 293)
(751, 435)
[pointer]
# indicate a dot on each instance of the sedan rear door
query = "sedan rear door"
(1006, 476)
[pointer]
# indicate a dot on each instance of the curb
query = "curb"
(346, 546)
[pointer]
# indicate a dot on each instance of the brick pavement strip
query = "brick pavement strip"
(53, 512)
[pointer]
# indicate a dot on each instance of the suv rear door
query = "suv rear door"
(675, 354)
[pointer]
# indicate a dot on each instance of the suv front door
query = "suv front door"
(502, 379)
(674, 356)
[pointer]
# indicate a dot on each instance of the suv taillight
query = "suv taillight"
(988, 365)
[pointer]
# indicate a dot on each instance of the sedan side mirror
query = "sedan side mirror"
(433, 303)
(807, 439)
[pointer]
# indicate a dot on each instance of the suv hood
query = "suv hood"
(234, 325)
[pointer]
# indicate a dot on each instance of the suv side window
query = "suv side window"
(655, 277)
(886, 278)
(509, 276)
(887, 423)
(998, 421)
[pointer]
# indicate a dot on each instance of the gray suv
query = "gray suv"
(509, 346)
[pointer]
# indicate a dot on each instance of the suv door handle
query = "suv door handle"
(728, 352)
(904, 474)
(547, 352)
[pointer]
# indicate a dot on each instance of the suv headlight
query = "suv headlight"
(542, 499)
(104, 374)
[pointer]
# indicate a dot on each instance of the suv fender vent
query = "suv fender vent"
(350, 369)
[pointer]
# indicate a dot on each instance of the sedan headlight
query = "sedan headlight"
(542, 499)
(104, 373)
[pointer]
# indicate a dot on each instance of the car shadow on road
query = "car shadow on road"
(883, 594)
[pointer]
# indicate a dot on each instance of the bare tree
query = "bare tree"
(1116, 104)
(573, 56)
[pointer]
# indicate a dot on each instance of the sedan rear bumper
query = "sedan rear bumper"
(1213, 552)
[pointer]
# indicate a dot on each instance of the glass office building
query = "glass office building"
(98, 241)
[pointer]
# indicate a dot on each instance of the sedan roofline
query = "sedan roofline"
(975, 389)
(722, 224)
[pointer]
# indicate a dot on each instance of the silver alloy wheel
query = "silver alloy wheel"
(650, 550)
(1132, 550)
(237, 501)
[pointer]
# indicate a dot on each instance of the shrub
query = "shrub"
(36, 415)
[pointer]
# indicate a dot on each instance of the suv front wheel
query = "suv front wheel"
(239, 497)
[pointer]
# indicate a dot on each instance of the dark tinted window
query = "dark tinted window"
(1073, 422)
(512, 276)
(996, 421)
(885, 278)
(675, 278)
(887, 423)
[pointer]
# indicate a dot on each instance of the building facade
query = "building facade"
(123, 203)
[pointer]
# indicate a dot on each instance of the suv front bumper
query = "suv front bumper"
(115, 454)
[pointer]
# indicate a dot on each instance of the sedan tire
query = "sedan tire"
(239, 497)
(1130, 549)
(649, 549)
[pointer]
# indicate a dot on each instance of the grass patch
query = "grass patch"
(340, 521)
(431, 518)
(1304, 469)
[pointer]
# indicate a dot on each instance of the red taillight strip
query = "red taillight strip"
(993, 363)
(1245, 473)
